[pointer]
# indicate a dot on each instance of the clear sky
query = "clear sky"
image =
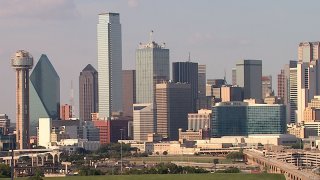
(217, 33)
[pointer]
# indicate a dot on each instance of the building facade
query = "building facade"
(249, 76)
(173, 103)
(66, 112)
(4, 124)
(202, 79)
(88, 92)
(266, 86)
(109, 64)
(231, 93)
(187, 72)
(143, 121)
(152, 67)
(241, 119)
(129, 91)
(44, 93)
(309, 51)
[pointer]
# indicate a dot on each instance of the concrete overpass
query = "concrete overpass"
(290, 171)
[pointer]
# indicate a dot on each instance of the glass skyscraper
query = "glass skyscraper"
(44, 93)
(152, 67)
(187, 72)
(109, 64)
(241, 119)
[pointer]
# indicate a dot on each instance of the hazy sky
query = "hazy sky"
(217, 33)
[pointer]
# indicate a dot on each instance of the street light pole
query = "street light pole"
(121, 149)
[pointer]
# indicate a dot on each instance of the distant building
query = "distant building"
(119, 129)
(152, 67)
(216, 82)
(104, 130)
(90, 132)
(230, 93)
(129, 91)
(293, 91)
(143, 121)
(202, 99)
(109, 64)
(297, 130)
(234, 76)
(4, 124)
(273, 100)
(191, 135)
(309, 51)
(7, 142)
(44, 93)
(266, 86)
(88, 92)
(173, 102)
(249, 75)
(241, 119)
(187, 72)
(66, 112)
(200, 120)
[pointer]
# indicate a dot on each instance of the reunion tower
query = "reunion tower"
(22, 62)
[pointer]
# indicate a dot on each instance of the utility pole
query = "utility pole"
(121, 150)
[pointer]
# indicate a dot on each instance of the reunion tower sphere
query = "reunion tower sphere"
(22, 59)
(22, 62)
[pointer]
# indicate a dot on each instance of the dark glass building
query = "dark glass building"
(44, 93)
(240, 119)
(187, 72)
(88, 92)
(129, 91)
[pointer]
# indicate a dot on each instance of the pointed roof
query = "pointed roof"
(90, 68)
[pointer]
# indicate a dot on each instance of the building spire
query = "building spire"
(189, 58)
(151, 36)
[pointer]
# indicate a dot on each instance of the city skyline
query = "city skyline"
(204, 42)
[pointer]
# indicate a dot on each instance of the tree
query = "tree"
(5, 171)
(165, 153)
(38, 174)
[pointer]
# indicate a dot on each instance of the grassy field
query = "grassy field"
(198, 159)
(179, 177)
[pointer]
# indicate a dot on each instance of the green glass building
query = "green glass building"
(241, 119)
(44, 93)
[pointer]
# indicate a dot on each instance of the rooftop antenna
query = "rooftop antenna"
(225, 76)
(189, 57)
(150, 36)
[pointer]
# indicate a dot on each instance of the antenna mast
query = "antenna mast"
(151, 36)
(189, 58)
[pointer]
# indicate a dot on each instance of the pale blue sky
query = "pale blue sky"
(217, 33)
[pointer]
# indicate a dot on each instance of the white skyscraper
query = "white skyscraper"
(109, 64)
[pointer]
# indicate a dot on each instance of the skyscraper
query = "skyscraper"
(143, 121)
(66, 112)
(202, 79)
(234, 76)
(22, 62)
(266, 86)
(88, 92)
(187, 72)
(307, 85)
(173, 102)
(249, 74)
(293, 93)
(129, 91)
(309, 51)
(44, 93)
(109, 64)
(152, 67)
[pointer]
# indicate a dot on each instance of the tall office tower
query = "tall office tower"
(307, 85)
(88, 92)
(44, 93)
(152, 67)
(187, 72)
(22, 62)
(143, 124)
(202, 79)
(4, 124)
(109, 64)
(234, 76)
(129, 91)
(66, 112)
(293, 94)
(309, 51)
(173, 102)
(266, 86)
(249, 75)
(282, 85)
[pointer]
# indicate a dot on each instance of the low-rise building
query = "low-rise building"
(191, 135)
(296, 130)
